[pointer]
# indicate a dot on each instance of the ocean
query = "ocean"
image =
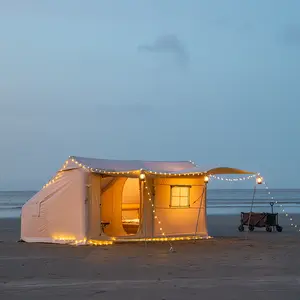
(226, 201)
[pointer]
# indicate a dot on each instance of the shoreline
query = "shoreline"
(280, 214)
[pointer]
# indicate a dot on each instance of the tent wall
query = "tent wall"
(93, 213)
(57, 211)
(180, 221)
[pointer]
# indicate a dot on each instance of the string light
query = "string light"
(57, 176)
(234, 179)
(53, 179)
(111, 172)
(259, 180)
(74, 241)
(99, 243)
(154, 211)
(292, 223)
(103, 171)
(147, 171)
(193, 163)
(142, 177)
(164, 238)
(71, 240)
(64, 238)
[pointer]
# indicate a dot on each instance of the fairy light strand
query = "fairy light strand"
(88, 168)
(233, 179)
(71, 240)
(292, 223)
(164, 238)
(136, 172)
(57, 176)
(155, 215)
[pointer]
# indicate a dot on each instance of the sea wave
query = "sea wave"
(9, 207)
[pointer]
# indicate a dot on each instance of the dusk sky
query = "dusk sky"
(213, 81)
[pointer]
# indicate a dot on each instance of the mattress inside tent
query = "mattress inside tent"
(131, 226)
(131, 221)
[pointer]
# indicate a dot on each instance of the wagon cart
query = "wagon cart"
(267, 220)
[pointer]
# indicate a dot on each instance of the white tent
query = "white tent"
(100, 201)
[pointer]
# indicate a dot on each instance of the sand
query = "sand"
(227, 267)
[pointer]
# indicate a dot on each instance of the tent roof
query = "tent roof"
(111, 165)
(157, 167)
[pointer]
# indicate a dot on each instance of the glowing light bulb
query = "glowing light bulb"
(259, 180)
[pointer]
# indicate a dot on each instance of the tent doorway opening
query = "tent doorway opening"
(131, 206)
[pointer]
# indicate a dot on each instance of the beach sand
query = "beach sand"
(227, 267)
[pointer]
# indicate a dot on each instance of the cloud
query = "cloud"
(167, 44)
(291, 35)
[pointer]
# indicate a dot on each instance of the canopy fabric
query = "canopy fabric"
(161, 167)
(226, 170)
(214, 170)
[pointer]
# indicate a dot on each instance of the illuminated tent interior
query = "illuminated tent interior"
(92, 200)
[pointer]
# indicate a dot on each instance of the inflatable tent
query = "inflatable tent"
(99, 201)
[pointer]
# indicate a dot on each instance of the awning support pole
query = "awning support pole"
(254, 192)
(203, 192)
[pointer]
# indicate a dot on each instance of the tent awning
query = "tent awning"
(216, 170)
(119, 167)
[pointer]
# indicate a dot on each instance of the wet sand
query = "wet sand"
(231, 266)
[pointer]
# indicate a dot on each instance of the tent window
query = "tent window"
(180, 196)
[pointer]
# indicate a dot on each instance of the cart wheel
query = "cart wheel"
(278, 228)
(251, 227)
(269, 229)
(241, 228)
